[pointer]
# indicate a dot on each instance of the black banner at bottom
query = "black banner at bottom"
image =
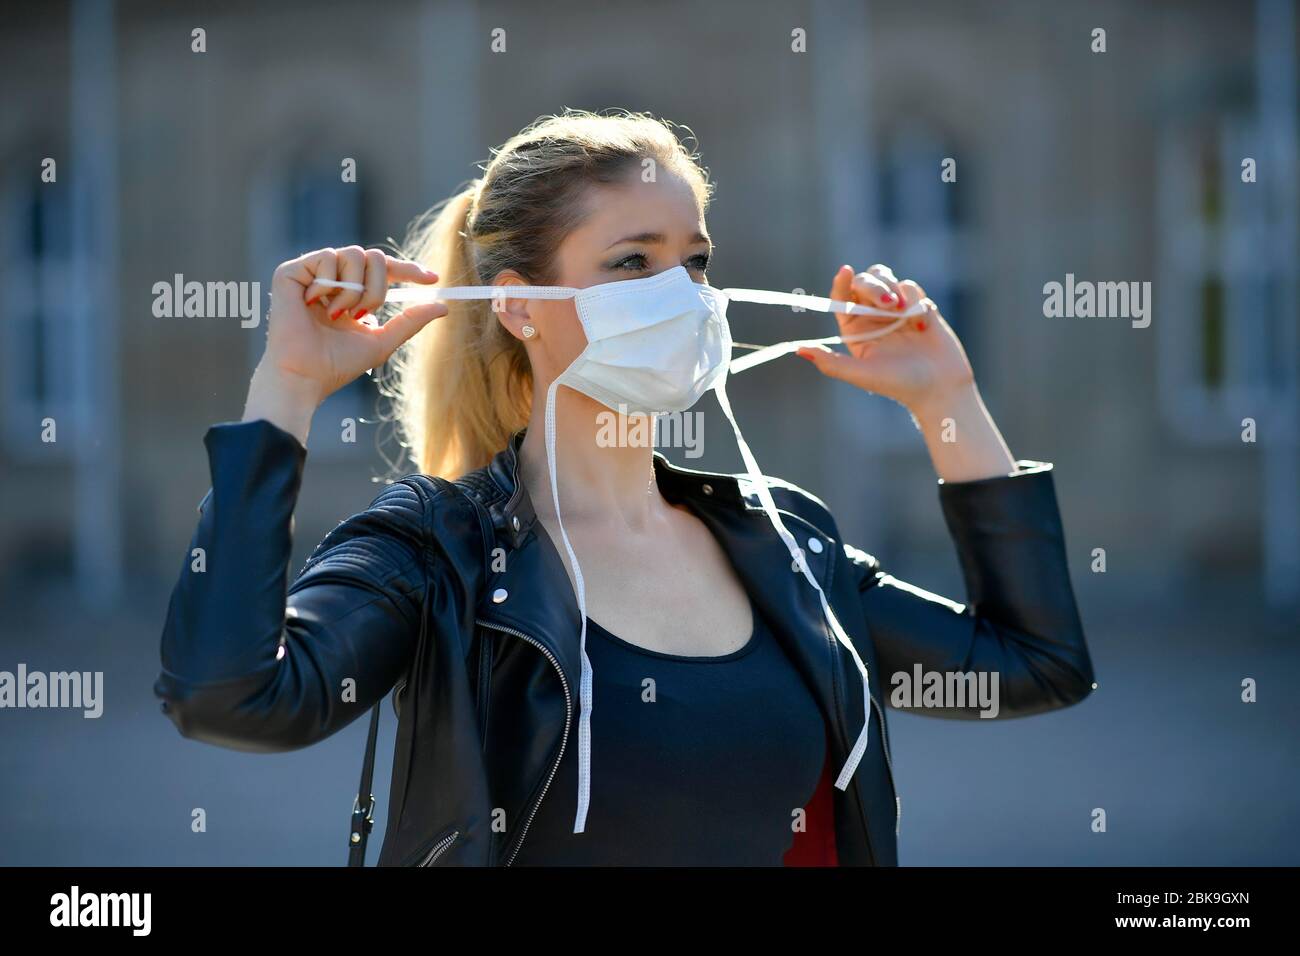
(332, 906)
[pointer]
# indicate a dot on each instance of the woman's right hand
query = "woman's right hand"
(325, 337)
(319, 338)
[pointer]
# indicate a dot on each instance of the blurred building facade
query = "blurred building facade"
(1123, 165)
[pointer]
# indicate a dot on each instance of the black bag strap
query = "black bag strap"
(363, 818)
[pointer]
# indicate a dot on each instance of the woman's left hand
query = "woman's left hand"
(920, 363)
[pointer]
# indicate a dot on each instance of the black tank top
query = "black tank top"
(695, 761)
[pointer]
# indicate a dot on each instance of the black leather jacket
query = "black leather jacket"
(488, 685)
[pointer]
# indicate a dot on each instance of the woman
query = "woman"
(733, 727)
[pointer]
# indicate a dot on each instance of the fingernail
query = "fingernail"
(361, 313)
(886, 297)
(920, 325)
(335, 315)
(803, 355)
(313, 299)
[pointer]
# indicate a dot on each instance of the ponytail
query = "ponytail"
(464, 383)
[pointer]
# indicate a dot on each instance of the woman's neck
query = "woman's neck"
(604, 463)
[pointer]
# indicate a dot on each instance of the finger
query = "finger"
(842, 284)
(886, 275)
(322, 264)
(913, 294)
(842, 291)
(928, 319)
(867, 290)
(860, 289)
(912, 291)
(873, 290)
(376, 283)
(882, 270)
(833, 364)
(407, 270)
(406, 323)
(352, 268)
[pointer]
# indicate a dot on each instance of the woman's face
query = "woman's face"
(631, 231)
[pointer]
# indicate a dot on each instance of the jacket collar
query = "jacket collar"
(512, 509)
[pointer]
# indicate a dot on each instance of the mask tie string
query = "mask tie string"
(416, 293)
(769, 506)
(815, 303)
(584, 689)
(769, 352)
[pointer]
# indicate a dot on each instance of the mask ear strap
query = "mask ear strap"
(418, 293)
(816, 303)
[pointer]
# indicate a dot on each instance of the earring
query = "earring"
(528, 331)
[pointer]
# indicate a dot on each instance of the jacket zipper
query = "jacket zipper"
(568, 714)
(439, 848)
(889, 763)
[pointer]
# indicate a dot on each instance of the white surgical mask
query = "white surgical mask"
(657, 345)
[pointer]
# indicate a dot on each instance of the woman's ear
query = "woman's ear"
(512, 313)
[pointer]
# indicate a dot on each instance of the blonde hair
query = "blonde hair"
(463, 386)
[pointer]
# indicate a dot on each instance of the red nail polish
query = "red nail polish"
(921, 325)
(886, 297)
(336, 315)
(360, 314)
(312, 300)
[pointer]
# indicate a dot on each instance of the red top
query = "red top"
(815, 846)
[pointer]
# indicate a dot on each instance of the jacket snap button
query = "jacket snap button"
(815, 545)
(499, 595)
(707, 489)
(514, 522)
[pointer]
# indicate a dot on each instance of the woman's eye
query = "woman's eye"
(639, 262)
(633, 263)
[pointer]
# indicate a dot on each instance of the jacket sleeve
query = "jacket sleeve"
(1020, 621)
(251, 664)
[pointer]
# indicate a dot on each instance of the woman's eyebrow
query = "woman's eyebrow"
(656, 238)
